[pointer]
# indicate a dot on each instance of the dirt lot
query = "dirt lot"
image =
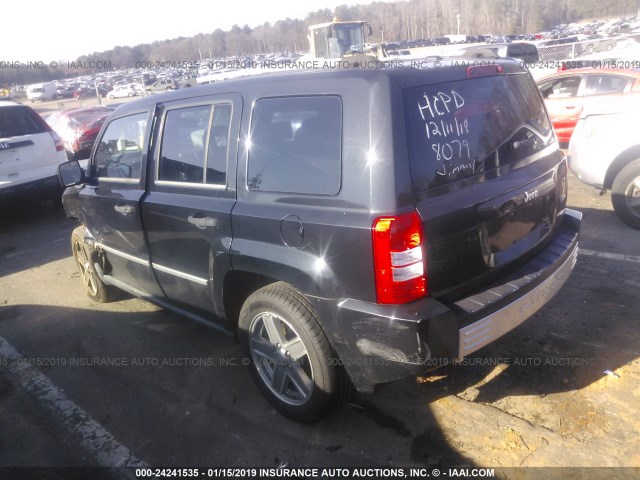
(125, 383)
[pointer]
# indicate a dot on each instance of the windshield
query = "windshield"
(348, 37)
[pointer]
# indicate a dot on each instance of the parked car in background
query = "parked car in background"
(605, 153)
(83, 92)
(527, 52)
(162, 85)
(65, 92)
(441, 41)
(123, 91)
(30, 152)
(78, 129)
(499, 39)
(567, 93)
(595, 43)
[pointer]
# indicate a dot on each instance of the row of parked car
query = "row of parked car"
(122, 89)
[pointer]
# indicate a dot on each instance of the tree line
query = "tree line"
(390, 21)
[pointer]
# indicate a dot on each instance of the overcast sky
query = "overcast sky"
(66, 29)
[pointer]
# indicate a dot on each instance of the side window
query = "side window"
(119, 153)
(182, 151)
(565, 87)
(320, 40)
(296, 145)
(195, 142)
(605, 84)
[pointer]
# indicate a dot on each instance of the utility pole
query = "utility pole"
(458, 20)
(95, 84)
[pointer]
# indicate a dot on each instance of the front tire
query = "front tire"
(84, 255)
(291, 359)
(625, 194)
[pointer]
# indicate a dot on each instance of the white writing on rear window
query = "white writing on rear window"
(447, 130)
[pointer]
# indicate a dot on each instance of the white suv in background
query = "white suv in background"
(123, 91)
(604, 152)
(30, 152)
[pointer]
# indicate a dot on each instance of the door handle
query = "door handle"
(570, 107)
(124, 209)
(203, 222)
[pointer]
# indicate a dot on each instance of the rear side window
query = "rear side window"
(119, 152)
(296, 145)
(563, 87)
(182, 156)
(18, 120)
(459, 129)
(605, 84)
(194, 145)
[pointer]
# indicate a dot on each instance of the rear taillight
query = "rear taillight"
(399, 258)
(57, 141)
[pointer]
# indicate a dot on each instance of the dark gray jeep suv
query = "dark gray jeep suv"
(350, 227)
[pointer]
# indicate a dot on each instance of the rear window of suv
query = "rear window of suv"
(18, 120)
(460, 129)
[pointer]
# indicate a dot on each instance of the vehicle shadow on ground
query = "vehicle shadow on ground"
(588, 329)
(210, 397)
(33, 234)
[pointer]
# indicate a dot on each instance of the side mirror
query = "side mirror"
(70, 174)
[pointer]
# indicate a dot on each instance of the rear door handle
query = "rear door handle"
(203, 222)
(124, 209)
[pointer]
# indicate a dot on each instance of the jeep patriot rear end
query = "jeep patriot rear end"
(349, 226)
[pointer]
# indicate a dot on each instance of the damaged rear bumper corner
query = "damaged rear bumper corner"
(382, 343)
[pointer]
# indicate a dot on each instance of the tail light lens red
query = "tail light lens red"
(399, 258)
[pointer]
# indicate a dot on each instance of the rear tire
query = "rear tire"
(291, 359)
(85, 257)
(625, 194)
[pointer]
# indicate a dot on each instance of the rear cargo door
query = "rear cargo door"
(488, 177)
